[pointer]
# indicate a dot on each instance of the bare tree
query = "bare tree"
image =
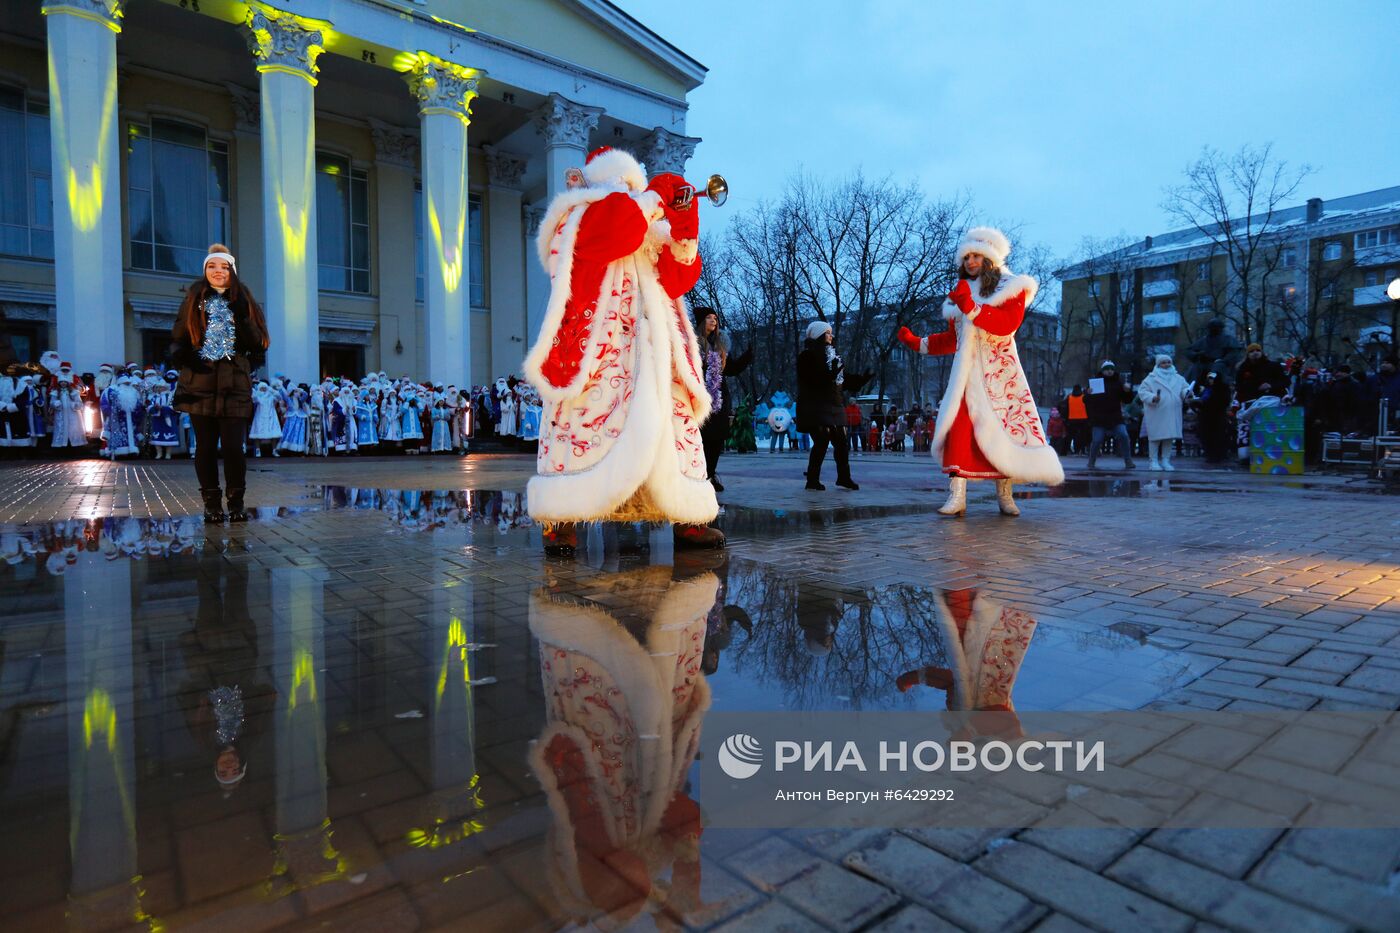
(1233, 202)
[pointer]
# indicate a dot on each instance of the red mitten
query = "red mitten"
(907, 337)
(961, 296)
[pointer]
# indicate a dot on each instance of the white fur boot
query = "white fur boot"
(957, 496)
(1005, 502)
(1167, 455)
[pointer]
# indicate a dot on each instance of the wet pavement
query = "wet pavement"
(384, 707)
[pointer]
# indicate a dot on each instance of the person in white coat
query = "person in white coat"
(1163, 393)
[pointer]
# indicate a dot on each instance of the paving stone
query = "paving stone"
(1375, 678)
(1337, 662)
(1370, 855)
(1291, 645)
(772, 917)
(948, 887)
(1328, 692)
(1227, 901)
(772, 863)
(1093, 848)
(1078, 892)
(914, 919)
(1231, 852)
(839, 899)
(1370, 907)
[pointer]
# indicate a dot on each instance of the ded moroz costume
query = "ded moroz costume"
(616, 363)
(988, 426)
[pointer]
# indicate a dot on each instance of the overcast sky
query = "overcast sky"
(1065, 117)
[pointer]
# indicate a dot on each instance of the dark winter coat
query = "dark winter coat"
(222, 388)
(820, 401)
(1254, 374)
(1105, 409)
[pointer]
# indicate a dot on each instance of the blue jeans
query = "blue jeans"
(1120, 435)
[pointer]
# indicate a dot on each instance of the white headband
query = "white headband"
(226, 257)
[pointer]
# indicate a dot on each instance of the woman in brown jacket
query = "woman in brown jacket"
(220, 337)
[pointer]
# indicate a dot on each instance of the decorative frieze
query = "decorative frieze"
(443, 87)
(394, 145)
(663, 151)
(107, 12)
(504, 169)
(564, 123)
(282, 41)
(247, 108)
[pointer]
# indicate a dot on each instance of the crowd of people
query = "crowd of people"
(129, 411)
(1166, 415)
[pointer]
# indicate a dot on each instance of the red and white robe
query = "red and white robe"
(988, 426)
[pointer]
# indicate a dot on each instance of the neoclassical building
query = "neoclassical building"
(379, 168)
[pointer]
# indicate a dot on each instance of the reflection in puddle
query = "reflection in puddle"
(185, 726)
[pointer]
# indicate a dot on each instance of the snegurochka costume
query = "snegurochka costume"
(617, 365)
(988, 426)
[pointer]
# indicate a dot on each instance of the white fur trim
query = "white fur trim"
(1018, 462)
(1011, 284)
(988, 241)
(614, 167)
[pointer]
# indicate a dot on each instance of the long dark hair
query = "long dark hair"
(189, 322)
(988, 279)
(710, 340)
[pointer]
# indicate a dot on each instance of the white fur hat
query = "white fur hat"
(988, 241)
(816, 329)
(609, 167)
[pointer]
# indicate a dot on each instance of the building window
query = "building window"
(1329, 290)
(1093, 288)
(1161, 274)
(1371, 278)
(342, 226)
(177, 195)
(1204, 304)
(1387, 237)
(1332, 251)
(1289, 258)
(1203, 271)
(26, 194)
(476, 248)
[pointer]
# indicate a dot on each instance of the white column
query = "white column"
(445, 91)
(664, 151)
(87, 232)
(536, 280)
(507, 258)
(565, 127)
(286, 47)
(101, 742)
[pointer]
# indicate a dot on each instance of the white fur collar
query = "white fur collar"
(1011, 285)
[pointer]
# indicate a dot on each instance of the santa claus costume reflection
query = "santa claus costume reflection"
(625, 698)
(616, 363)
(988, 426)
(986, 643)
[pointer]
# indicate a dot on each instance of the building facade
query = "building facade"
(1317, 288)
(379, 168)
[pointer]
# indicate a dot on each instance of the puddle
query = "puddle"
(294, 686)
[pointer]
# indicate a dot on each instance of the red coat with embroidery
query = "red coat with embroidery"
(617, 364)
(988, 392)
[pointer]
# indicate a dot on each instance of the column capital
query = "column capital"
(441, 86)
(504, 169)
(564, 123)
(247, 108)
(286, 42)
(394, 145)
(534, 216)
(107, 12)
(664, 151)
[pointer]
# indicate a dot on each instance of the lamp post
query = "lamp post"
(1392, 291)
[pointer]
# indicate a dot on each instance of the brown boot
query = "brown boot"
(697, 536)
(560, 538)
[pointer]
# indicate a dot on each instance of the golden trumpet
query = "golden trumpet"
(716, 189)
